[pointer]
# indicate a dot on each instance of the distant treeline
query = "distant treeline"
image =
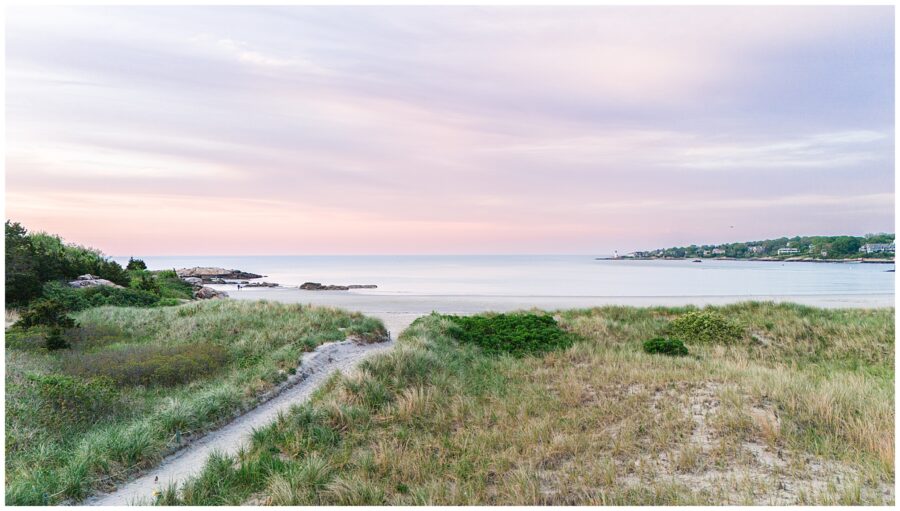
(818, 247)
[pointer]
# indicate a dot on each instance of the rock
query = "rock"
(214, 280)
(208, 293)
(207, 272)
(315, 286)
(260, 284)
(194, 281)
(88, 280)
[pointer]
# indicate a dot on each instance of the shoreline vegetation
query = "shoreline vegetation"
(871, 248)
(772, 404)
(751, 259)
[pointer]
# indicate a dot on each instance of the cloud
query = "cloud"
(585, 125)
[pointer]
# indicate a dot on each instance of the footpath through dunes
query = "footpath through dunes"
(315, 369)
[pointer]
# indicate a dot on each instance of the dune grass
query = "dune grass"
(797, 410)
(138, 381)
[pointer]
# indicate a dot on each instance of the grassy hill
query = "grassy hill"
(137, 381)
(777, 404)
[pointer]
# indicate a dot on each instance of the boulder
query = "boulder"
(84, 281)
(194, 281)
(260, 284)
(208, 293)
(315, 286)
(209, 272)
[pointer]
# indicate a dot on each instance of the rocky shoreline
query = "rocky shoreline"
(200, 276)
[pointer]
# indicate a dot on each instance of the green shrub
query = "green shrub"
(518, 334)
(77, 299)
(49, 312)
(705, 327)
(135, 264)
(663, 346)
(74, 400)
(149, 365)
(55, 340)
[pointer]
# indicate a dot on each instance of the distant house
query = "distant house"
(874, 248)
(788, 251)
(718, 251)
(756, 249)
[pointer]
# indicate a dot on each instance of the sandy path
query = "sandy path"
(314, 370)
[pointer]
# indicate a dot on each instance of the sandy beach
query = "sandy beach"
(401, 309)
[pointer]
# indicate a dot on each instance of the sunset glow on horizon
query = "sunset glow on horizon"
(431, 130)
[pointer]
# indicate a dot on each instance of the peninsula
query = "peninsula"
(871, 248)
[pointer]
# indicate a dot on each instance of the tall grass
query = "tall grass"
(175, 372)
(798, 410)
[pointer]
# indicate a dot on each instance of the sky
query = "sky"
(447, 130)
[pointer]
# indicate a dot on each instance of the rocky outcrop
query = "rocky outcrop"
(194, 281)
(209, 272)
(315, 286)
(259, 284)
(208, 293)
(88, 280)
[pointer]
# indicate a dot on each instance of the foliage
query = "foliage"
(135, 264)
(665, 346)
(35, 258)
(143, 280)
(517, 334)
(78, 299)
(705, 327)
(47, 311)
(149, 365)
(74, 400)
(55, 340)
(816, 247)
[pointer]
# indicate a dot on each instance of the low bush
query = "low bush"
(48, 312)
(663, 346)
(73, 400)
(705, 327)
(149, 365)
(518, 334)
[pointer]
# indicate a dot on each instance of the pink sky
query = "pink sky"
(164, 131)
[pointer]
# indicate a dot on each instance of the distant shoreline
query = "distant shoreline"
(753, 259)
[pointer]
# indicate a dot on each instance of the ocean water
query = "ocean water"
(554, 276)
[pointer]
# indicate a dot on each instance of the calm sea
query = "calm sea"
(554, 276)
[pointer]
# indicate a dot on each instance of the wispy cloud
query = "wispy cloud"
(588, 127)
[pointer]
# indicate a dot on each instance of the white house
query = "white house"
(874, 248)
(718, 251)
(788, 251)
(756, 249)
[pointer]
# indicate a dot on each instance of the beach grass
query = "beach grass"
(138, 382)
(798, 409)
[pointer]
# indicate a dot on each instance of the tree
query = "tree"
(22, 280)
(135, 264)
